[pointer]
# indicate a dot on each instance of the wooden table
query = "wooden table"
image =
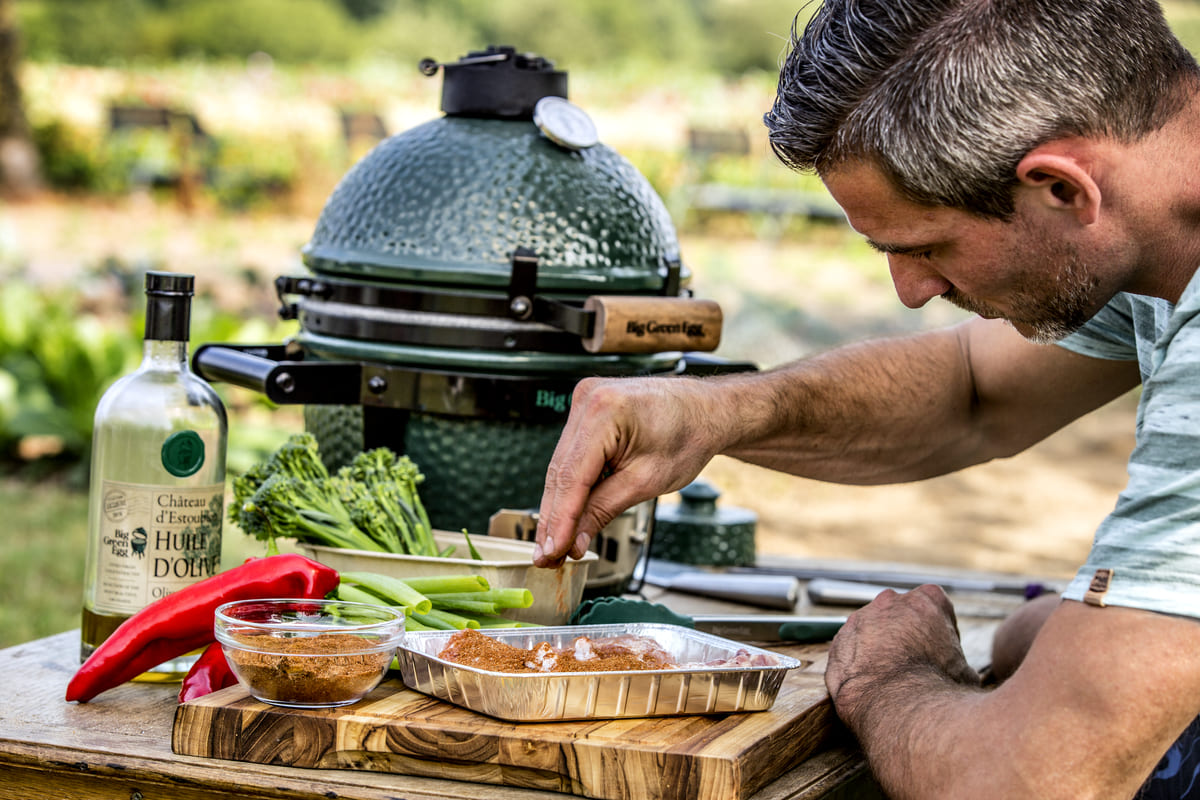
(121, 747)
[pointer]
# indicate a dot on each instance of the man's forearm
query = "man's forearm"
(878, 412)
(1095, 704)
(913, 407)
(921, 739)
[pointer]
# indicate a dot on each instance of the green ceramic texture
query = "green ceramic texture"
(444, 205)
(338, 431)
(472, 467)
(696, 531)
(447, 202)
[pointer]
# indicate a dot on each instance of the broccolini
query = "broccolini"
(370, 504)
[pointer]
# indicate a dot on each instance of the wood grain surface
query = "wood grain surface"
(397, 730)
(119, 745)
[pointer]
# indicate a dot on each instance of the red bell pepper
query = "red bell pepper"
(183, 621)
(210, 672)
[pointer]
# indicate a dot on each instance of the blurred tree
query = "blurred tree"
(749, 35)
(19, 174)
(290, 31)
(595, 33)
(363, 10)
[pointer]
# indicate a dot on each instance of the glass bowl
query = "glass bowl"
(308, 653)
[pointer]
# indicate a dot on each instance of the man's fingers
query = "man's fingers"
(569, 477)
(564, 535)
(605, 462)
(561, 533)
(582, 542)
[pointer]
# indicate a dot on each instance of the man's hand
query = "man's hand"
(887, 644)
(899, 681)
(626, 440)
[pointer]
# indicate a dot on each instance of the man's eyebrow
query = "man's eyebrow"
(897, 249)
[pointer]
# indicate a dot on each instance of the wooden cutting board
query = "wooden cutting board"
(394, 729)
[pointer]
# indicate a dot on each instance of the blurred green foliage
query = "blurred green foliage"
(725, 36)
(236, 172)
(53, 362)
(61, 347)
(615, 47)
(728, 37)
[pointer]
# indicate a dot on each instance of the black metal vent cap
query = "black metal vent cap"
(498, 83)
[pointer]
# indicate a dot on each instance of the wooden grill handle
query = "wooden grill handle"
(652, 324)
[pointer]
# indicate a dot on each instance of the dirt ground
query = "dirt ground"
(1034, 513)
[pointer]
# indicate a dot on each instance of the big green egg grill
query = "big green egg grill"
(463, 277)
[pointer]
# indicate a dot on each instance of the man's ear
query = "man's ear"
(1056, 176)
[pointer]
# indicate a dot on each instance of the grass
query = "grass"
(41, 559)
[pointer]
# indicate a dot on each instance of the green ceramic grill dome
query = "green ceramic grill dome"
(450, 200)
(444, 206)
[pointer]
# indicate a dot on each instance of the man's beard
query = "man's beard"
(1049, 307)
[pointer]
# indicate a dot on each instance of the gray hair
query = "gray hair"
(947, 96)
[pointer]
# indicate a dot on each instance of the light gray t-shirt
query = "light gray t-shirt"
(1146, 553)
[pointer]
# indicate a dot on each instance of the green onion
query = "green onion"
(411, 624)
(469, 606)
(433, 623)
(456, 621)
(502, 598)
(395, 591)
(353, 594)
(493, 621)
(443, 584)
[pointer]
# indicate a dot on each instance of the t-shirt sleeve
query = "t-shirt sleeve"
(1146, 553)
(1109, 334)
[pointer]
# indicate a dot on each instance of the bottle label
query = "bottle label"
(155, 540)
(183, 453)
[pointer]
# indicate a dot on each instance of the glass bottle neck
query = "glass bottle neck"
(162, 354)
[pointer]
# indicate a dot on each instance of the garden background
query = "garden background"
(87, 209)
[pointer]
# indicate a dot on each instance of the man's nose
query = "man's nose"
(916, 282)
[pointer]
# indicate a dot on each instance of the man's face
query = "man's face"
(1021, 271)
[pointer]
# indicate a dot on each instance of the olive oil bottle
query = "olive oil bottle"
(157, 486)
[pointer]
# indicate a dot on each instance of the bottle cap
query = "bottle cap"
(168, 306)
(170, 283)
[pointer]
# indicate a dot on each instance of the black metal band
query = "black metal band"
(283, 375)
(358, 310)
(418, 328)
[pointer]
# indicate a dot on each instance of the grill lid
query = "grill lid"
(447, 203)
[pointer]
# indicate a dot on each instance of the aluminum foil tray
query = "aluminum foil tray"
(547, 697)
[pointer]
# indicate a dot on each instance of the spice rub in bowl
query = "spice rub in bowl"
(304, 653)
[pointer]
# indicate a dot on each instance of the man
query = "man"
(1036, 162)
